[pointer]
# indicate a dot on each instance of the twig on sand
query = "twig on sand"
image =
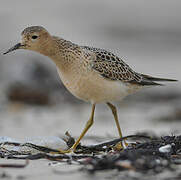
(12, 165)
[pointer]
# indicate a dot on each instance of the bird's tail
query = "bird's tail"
(151, 78)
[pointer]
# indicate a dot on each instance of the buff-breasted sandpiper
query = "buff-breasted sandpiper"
(90, 74)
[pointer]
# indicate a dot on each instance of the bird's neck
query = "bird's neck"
(62, 52)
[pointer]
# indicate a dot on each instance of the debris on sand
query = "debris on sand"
(144, 155)
(14, 165)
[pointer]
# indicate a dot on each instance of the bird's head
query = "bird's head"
(33, 38)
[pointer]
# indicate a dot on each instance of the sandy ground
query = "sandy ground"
(28, 122)
(149, 42)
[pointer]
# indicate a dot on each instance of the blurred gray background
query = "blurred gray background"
(146, 34)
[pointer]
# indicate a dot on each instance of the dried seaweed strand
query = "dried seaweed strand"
(14, 165)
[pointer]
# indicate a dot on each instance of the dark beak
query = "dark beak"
(17, 46)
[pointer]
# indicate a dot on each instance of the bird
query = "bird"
(91, 74)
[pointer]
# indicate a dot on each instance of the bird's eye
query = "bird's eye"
(34, 37)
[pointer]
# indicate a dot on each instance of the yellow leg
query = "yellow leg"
(114, 112)
(87, 126)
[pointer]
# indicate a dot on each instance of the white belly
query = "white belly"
(94, 88)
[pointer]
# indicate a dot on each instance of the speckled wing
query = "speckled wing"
(112, 67)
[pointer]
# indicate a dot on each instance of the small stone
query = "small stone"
(165, 149)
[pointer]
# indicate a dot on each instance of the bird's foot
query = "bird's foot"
(60, 151)
(66, 151)
(121, 145)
